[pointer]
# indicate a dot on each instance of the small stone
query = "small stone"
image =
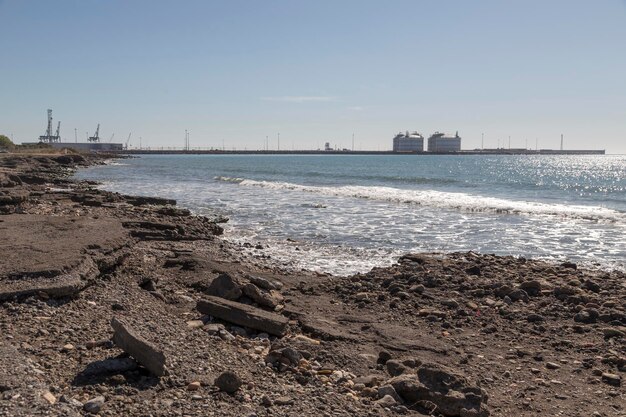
(213, 328)
(67, 348)
(452, 303)
(518, 294)
(266, 401)
(403, 295)
(395, 367)
(361, 296)
(228, 382)
(588, 315)
(226, 335)
(473, 270)
(613, 332)
(283, 401)
(386, 401)
(193, 386)
(48, 396)
(94, 405)
(71, 401)
(368, 381)
(419, 288)
(194, 324)
(533, 318)
(118, 379)
(532, 287)
(552, 365)
(369, 392)
(612, 379)
(97, 343)
(383, 357)
(238, 331)
(388, 390)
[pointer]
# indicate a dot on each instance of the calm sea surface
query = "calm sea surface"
(348, 213)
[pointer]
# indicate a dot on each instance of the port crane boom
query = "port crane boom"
(96, 136)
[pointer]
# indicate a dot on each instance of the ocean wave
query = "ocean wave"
(446, 200)
(229, 179)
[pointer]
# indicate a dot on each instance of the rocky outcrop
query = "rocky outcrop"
(62, 285)
(441, 391)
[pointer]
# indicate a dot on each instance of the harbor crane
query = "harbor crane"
(57, 134)
(48, 137)
(127, 141)
(111, 138)
(96, 136)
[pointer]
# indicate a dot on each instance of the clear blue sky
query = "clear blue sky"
(234, 72)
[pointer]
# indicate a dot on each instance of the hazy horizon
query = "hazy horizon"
(234, 73)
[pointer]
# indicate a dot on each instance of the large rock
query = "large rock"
(451, 393)
(139, 348)
(224, 286)
(243, 315)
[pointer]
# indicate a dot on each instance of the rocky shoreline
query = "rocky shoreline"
(118, 305)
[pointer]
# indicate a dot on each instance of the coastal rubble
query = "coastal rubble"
(152, 287)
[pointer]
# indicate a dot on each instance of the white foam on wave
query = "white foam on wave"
(114, 162)
(229, 179)
(445, 200)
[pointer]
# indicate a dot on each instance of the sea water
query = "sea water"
(348, 213)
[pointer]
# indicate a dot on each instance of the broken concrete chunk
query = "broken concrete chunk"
(126, 338)
(243, 315)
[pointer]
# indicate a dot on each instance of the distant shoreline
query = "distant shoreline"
(347, 152)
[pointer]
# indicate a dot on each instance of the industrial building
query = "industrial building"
(439, 142)
(408, 142)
